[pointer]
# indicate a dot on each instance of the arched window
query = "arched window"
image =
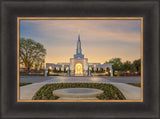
(108, 71)
(50, 67)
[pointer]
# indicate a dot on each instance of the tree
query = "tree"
(137, 64)
(116, 63)
(39, 63)
(127, 66)
(31, 53)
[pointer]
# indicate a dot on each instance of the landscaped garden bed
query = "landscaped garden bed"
(110, 92)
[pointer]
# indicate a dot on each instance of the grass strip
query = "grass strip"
(135, 84)
(23, 84)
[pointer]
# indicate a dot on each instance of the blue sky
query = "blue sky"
(101, 40)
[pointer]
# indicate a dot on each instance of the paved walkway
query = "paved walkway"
(28, 91)
(129, 91)
(34, 79)
(119, 79)
(125, 79)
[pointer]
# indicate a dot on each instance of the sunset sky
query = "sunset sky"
(101, 40)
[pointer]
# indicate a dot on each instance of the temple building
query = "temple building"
(79, 65)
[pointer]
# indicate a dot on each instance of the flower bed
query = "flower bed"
(110, 92)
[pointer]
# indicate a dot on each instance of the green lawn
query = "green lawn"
(135, 84)
(110, 92)
(23, 84)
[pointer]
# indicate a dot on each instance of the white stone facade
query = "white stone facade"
(83, 61)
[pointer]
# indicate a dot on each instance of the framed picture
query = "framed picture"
(113, 72)
(80, 74)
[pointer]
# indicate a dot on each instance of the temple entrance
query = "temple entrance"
(78, 69)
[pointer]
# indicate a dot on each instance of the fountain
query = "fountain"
(77, 93)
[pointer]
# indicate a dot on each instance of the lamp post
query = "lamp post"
(45, 72)
(68, 72)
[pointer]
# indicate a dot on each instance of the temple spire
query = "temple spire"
(79, 43)
(79, 50)
(78, 35)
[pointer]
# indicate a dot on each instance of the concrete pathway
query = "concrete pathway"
(129, 91)
(28, 91)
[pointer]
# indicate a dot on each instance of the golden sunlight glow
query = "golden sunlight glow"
(90, 68)
(67, 68)
(50, 67)
(78, 68)
(57, 68)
